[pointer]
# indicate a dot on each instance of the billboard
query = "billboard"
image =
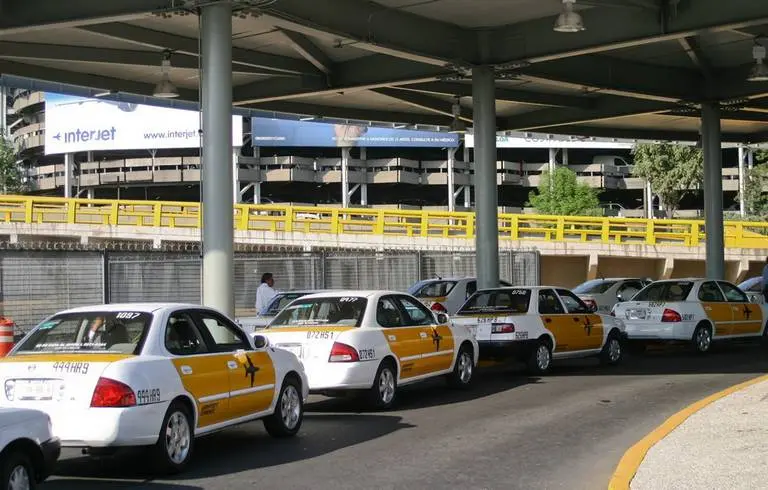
(283, 132)
(75, 124)
(533, 140)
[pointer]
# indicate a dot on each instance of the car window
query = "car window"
(432, 289)
(328, 310)
(471, 288)
(182, 337)
(388, 315)
(629, 289)
(595, 286)
(417, 313)
(732, 293)
(89, 332)
(549, 303)
(709, 292)
(281, 301)
(498, 301)
(666, 291)
(572, 303)
(225, 337)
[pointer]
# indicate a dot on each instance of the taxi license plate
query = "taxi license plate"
(34, 389)
(295, 349)
(636, 314)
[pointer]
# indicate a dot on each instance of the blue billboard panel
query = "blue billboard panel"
(284, 132)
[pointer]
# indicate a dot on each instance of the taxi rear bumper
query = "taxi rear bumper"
(506, 349)
(109, 427)
(639, 331)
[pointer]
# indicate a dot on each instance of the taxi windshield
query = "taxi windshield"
(498, 301)
(337, 310)
(667, 291)
(280, 301)
(432, 288)
(88, 332)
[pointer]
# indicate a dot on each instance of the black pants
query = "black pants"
(765, 293)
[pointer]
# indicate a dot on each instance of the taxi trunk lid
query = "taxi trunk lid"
(52, 382)
(642, 311)
(308, 343)
(481, 326)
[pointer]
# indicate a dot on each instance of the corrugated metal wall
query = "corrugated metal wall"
(34, 284)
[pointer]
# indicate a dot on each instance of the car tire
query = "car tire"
(613, 350)
(286, 420)
(383, 392)
(540, 358)
(463, 369)
(176, 441)
(702, 339)
(18, 470)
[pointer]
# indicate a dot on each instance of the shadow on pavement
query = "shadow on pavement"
(231, 451)
(88, 484)
(431, 393)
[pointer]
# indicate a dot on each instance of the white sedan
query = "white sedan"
(28, 450)
(157, 375)
(372, 341)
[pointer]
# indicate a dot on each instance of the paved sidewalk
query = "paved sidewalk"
(723, 446)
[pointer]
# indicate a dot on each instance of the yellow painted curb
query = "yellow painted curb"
(633, 458)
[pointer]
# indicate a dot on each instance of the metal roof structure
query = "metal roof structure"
(639, 70)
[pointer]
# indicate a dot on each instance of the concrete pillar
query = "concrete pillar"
(750, 158)
(345, 157)
(236, 175)
(218, 219)
(668, 267)
(592, 266)
(451, 185)
(364, 185)
(257, 185)
(649, 200)
(742, 182)
(89, 193)
(565, 156)
(486, 192)
(713, 190)
(4, 110)
(69, 164)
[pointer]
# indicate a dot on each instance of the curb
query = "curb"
(633, 458)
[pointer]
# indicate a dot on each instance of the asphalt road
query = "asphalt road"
(566, 430)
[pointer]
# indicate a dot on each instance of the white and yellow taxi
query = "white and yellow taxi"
(691, 310)
(537, 325)
(157, 375)
(372, 342)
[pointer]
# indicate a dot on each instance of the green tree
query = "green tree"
(11, 176)
(756, 180)
(673, 171)
(562, 194)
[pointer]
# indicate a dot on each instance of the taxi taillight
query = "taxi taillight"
(502, 328)
(343, 353)
(110, 393)
(671, 316)
(438, 307)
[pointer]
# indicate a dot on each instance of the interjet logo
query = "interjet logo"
(84, 135)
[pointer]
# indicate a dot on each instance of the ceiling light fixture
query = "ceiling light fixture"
(759, 72)
(165, 89)
(568, 20)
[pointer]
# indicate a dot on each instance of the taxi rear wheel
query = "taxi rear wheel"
(702, 338)
(289, 411)
(384, 389)
(540, 358)
(176, 441)
(461, 377)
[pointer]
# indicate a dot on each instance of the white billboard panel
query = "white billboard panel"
(556, 141)
(74, 124)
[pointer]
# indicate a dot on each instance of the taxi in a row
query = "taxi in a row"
(695, 311)
(539, 324)
(156, 375)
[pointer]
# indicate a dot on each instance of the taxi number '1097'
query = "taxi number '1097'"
(320, 335)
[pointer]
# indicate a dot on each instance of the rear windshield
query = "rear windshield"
(432, 289)
(753, 285)
(341, 310)
(94, 331)
(281, 301)
(596, 286)
(498, 301)
(667, 291)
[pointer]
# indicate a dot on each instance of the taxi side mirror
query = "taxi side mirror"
(442, 318)
(592, 308)
(260, 341)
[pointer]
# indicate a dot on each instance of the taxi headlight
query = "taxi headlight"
(10, 388)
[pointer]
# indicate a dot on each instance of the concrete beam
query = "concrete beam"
(609, 29)
(696, 54)
(308, 50)
(505, 94)
(638, 134)
(376, 28)
(425, 102)
(187, 45)
(745, 116)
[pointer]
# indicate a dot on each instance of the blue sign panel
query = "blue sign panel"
(283, 132)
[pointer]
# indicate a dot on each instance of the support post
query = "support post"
(742, 182)
(257, 185)
(565, 156)
(649, 199)
(345, 177)
(713, 190)
(69, 163)
(218, 219)
(4, 111)
(364, 185)
(486, 192)
(451, 185)
(236, 175)
(551, 167)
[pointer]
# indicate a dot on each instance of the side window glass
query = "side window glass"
(629, 289)
(182, 338)
(388, 314)
(471, 288)
(709, 292)
(549, 304)
(226, 338)
(572, 303)
(417, 313)
(733, 294)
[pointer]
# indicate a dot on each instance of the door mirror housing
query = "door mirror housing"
(260, 341)
(442, 318)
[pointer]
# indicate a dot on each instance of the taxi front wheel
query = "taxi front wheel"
(17, 472)
(461, 377)
(289, 410)
(176, 441)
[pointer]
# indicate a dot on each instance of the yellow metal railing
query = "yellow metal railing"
(325, 220)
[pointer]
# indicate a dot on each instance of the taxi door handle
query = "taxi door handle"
(231, 364)
(575, 319)
(186, 370)
(708, 308)
(548, 320)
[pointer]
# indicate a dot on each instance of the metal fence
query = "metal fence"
(34, 284)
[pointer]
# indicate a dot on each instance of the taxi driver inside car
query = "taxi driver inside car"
(369, 342)
(157, 375)
(538, 324)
